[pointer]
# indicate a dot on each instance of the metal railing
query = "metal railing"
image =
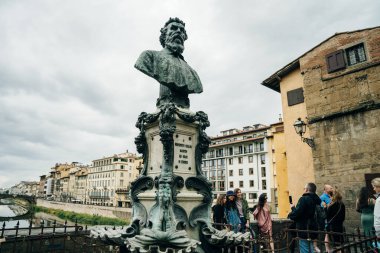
(288, 240)
(51, 239)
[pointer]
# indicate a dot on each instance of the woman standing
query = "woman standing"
(231, 212)
(365, 205)
(335, 216)
(264, 220)
(242, 207)
(218, 216)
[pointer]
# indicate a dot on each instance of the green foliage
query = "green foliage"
(81, 218)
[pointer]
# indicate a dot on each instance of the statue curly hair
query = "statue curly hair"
(165, 28)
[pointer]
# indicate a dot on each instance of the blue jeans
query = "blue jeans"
(305, 246)
(243, 221)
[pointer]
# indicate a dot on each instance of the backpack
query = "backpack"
(320, 217)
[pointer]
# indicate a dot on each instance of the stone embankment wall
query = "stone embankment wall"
(107, 211)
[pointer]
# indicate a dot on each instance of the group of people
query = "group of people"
(232, 211)
(318, 213)
(312, 213)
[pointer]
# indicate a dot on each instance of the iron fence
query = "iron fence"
(288, 241)
(51, 239)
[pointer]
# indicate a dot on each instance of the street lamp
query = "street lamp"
(300, 127)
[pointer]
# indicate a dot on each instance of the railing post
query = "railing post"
(42, 226)
(64, 227)
(17, 226)
(30, 227)
(2, 230)
(54, 225)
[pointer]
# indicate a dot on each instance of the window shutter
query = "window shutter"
(295, 96)
(335, 61)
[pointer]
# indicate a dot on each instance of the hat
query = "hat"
(230, 193)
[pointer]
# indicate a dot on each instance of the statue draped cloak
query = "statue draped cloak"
(171, 71)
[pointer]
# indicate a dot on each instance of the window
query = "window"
(231, 184)
(240, 150)
(250, 159)
(355, 54)
(295, 96)
(230, 173)
(251, 183)
(219, 153)
(263, 172)
(264, 184)
(230, 161)
(250, 148)
(261, 146)
(221, 186)
(262, 159)
(240, 172)
(212, 163)
(335, 61)
(241, 184)
(253, 196)
(230, 151)
(240, 160)
(250, 171)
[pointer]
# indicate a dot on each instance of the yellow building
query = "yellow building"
(276, 139)
(289, 82)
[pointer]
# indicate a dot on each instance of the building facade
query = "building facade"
(109, 178)
(336, 86)
(242, 159)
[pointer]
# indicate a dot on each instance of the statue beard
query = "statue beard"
(175, 44)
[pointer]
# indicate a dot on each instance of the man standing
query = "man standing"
(326, 195)
(303, 215)
(177, 79)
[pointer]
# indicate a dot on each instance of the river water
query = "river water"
(11, 211)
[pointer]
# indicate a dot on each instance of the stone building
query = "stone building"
(335, 88)
(244, 159)
(109, 178)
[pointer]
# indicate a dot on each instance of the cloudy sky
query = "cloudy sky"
(69, 91)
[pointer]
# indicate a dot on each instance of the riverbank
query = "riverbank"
(80, 218)
(105, 211)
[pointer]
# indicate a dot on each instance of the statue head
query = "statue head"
(173, 35)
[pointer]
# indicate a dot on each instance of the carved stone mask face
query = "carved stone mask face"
(175, 37)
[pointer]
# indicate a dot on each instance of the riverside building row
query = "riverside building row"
(105, 182)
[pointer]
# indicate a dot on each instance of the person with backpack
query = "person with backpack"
(304, 216)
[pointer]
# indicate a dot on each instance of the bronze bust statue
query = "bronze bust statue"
(177, 79)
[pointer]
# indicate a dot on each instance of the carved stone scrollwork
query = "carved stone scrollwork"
(201, 213)
(139, 212)
(213, 240)
(177, 184)
(167, 129)
(140, 141)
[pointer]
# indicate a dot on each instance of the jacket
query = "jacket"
(303, 214)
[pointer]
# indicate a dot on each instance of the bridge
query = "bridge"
(31, 201)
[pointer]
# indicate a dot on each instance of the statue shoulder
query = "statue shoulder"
(145, 62)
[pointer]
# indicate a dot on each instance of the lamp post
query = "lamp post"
(300, 127)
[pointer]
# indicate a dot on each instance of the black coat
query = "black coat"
(303, 214)
(219, 215)
(335, 216)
